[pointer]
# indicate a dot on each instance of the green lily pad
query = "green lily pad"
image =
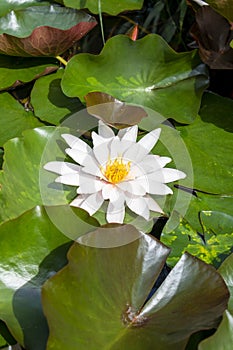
(225, 8)
(56, 106)
(19, 179)
(14, 118)
(9, 5)
(211, 245)
(223, 337)
(17, 69)
(32, 249)
(112, 7)
(106, 303)
(27, 19)
(208, 141)
(156, 74)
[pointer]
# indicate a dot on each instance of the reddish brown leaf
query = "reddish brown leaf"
(44, 41)
(213, 34)
(113, 111)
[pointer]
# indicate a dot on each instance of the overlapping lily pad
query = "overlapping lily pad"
(42, 30)
(14, 118)
(15, 70)
(32, 249)
(9, 5)
(225, 8)
(105, 302)
(145, 72)
(111, 7)
(56, 106)
(212, 244)
(223, 338)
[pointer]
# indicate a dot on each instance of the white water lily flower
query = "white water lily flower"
(118, 169)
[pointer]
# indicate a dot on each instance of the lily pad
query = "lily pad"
(156, 74)
(15, 70)
(32, 249)
(112, 111)
(112, 7)
(211, 245)
(223, 337)
(224, 7)
(9, 5)
(100, 314)
(14, 119)
(56, 106)
(43, 30)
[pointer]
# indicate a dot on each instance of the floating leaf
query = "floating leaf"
(32, 249)
(42, 30)
(105, 303)
(14, 118)
(213, 34)
(224, 7)
(9, 5)
(223, 337)
(112, 7)
(14, 70)
(112, 111)
(211, 245)
(157, 77)
(56, 106)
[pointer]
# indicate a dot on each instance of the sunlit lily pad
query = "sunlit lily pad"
(146, 72)
(100, 314)
(42, 30)
(112, 7)
(14, 119)
(26, 261)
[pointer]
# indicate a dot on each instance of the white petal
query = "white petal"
(158, 188)
(118, 147)
(69, 179)
(62, 168)
(111, 192)
(102, 153)
(139, 206)
(129, 134)
(90, 203)
(97, 139)
(153, 205)
(78, 156)
(78, 200)
(89, 184)
(91, 166)
(135, 153)
(167, 175)
(104, 130)
(115, 212)
(76, 143)
(133, 187)
(149, 140)
(151, 163)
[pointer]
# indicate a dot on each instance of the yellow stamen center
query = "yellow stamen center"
(115, 170)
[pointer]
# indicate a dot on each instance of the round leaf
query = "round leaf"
(112, 7)
(105, 303)
(224, 7)
(14, 118)
(14, 69)
(56, 106)
(209, 142)
(156, 74)
(32, 249)
(9, 5)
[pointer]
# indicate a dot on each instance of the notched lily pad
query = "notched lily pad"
(106, 303)
(42, 30)
(157, 77)
(113, 111)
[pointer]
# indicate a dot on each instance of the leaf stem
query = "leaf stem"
(101, 21)
(59, 58)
